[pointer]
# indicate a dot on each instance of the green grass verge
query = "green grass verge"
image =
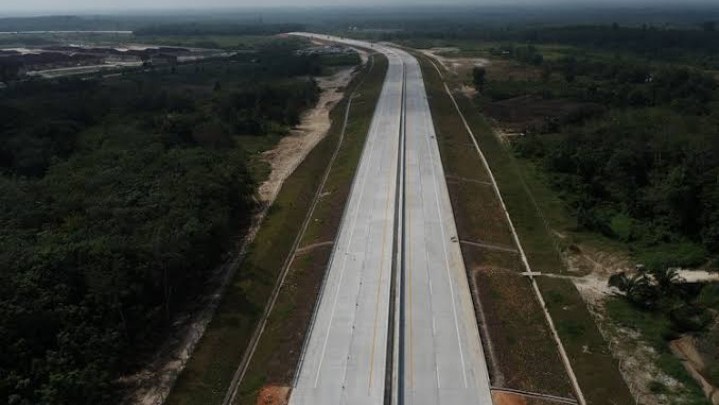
(208, 373)
(278, 352)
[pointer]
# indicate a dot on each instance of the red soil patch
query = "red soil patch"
(273, 395)
(505, 398)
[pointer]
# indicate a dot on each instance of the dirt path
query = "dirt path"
(315, 123)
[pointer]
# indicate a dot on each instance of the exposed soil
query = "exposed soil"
(293, 148)
(468, 91)
(637, 360)
(685, 348)
(506, 398)
(457, 65)
(273, 395)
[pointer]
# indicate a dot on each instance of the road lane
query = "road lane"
(443, 362)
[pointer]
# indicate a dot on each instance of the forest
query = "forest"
(639, 161)
(636, 159)
(626, 142)
(118, 198)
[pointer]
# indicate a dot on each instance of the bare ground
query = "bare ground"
(453, 64)
(637, 359)
(273, 395)
(506, 398)
(686, 349)
(315, 123)
(152, 384)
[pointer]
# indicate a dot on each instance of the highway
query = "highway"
(423, 348)
(442, 361)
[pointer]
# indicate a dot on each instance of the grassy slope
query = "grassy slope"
(209, 371)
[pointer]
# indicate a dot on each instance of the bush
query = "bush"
(684, 255)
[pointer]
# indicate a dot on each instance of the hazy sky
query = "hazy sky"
(71, 6)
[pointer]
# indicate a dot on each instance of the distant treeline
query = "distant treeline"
(643, 168)
(218, 29)
(645, 41)
(60, 23)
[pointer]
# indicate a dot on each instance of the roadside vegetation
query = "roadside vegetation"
(119, 199)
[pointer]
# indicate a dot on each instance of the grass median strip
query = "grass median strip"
(279, 350)
(207, 375)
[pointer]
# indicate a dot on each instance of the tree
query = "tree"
(637, 288)
(479, 78)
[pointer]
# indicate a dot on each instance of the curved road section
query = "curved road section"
(424, 348)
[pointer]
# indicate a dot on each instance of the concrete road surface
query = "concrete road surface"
(439, 358)
(442, 357)
(345, 358)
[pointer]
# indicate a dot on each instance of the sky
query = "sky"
(93, 6)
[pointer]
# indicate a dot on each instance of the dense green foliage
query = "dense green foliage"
(660, 290)
(117, 200)
(643, 168)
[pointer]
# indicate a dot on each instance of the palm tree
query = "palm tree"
(637, 288)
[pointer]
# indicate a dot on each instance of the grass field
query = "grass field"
(277, 355)
(209, 371)
(595, 368)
